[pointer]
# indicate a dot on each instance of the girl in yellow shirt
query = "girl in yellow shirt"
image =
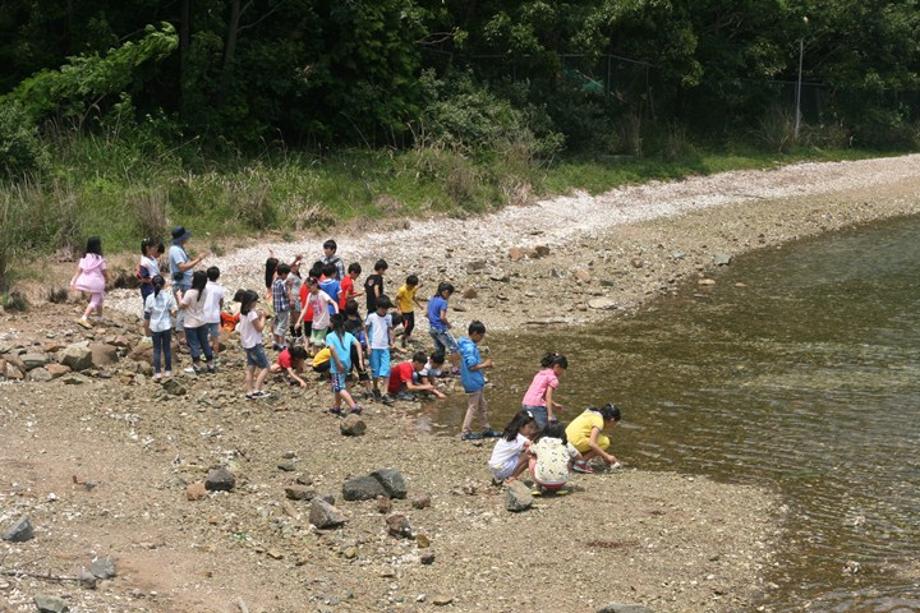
(585, 434)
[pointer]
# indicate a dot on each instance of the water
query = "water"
(799, 370)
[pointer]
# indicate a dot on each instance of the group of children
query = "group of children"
(316, 318)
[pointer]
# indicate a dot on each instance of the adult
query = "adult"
(181, 270)
(329, 257)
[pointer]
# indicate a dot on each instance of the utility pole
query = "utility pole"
(798, 85)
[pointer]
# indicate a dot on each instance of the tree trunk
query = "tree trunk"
(233, 31)
(185, 33)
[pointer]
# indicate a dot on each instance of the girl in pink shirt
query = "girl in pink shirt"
(91, 277)
(539, 397)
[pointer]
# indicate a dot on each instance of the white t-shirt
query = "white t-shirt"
(378, 330)
(214, 294)
(552, 465)
(194, 308)
(506, 451)
(249, 336)
(151, 265)
(320, 302)
(160, 306)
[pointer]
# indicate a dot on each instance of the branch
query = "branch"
(260, 19)
(429, 39)
(42, 576)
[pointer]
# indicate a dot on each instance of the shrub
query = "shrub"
(776, 130)
(248, 198)
(150, 208)
(21, 150)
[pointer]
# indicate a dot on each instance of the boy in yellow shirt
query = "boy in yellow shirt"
(406, 303)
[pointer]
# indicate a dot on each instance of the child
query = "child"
(380, 338)
(550, 458)
(406, 301)
(148, 267)
(509, 456)
(373, 285)
(252, 323)
(347, 287)
(474, 382)
(402, 378)
(271, 265)
(91, 277)
(192, 304)
(318, 303)
(539, 397)
(330, 285)
(294, 283)
(281, 301)
(320, 363)
(432, 369)
(213, 305)
(438, 326)
(585, 434)
(340, 344)
(355, 325)
(329, 249)
(159, 309)
(290, 362)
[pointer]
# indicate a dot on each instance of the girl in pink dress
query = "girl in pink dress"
(91, 278)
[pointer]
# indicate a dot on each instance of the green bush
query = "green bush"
(21, 150)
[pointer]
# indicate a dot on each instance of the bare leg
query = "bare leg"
(344, 394)
(260, 379)
(249, 372)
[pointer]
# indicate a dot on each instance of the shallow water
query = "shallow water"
(798, 370)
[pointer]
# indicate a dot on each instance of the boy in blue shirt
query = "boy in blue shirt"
(474, 382)
(330, 285)
(340, 344)
(438, 326)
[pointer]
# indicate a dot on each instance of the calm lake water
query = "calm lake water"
(799, 370)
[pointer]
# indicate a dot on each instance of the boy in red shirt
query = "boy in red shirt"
(290, 363)
(401, 378)
(347, 285)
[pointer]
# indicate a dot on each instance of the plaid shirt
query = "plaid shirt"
(281, 299)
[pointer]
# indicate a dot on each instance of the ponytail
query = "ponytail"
(609, 412)
(554, 359)
(158, 284)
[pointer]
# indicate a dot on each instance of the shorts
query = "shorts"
(255, 356)
(380, 363)
(214, 330)
(337, 382)
(539, 414)
(506, 470)
(281, 323)
(318, 336)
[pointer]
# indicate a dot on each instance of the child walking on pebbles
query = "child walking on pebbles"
(252, 322)
(341, 344)
(510, 455)
(159, 309)
(91, 277)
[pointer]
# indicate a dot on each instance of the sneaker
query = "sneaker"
(261, 394)
(250, 396)
(157, 377)
(490, 433)
(471, 436)
(338, 412)
(582, 467)
(376, 394)
(191, 370)
(83, 323)
(211, 369)
(167, 374)
(387, 400)
(357, 410)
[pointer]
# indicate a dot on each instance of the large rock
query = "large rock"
(19, 532)
(623, 607)
(219, 480)
(392, 481)
(352, 426)
(362, 488)
(77, 356)
(323, 515)
(39, 375)
(33, 360)
(517, 497)
(57, 370)
(50, 604)
(173, 387)
(12, 373)
(103, 354)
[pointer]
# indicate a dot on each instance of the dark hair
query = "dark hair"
(383, 302)
(354, 267)
(412, 280)
(316, 269)
(146, 244)
(520, 419)
(213, 273)
(444, 286)
(161, 248)
(271, 264)
(552, 359)
(476, 327)
(158, 283)
(608, 412)
(555, 430)
(437, 357)
(338, 325)
(247, 298)
(420, 357)
(298, 353)
(351, 307)
(330, 244)
(381, 265)
(199, 281)
(93, 245)
(329, 270)
(283, 269)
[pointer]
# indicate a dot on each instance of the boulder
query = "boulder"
(352, 426)
(20, 532)
(103, 568)
(77, 356)
(392, 481)
(517, 497)
(39, 375)
(362, 488)
(103, 354)
(220, 480)
(50, 604)
(323, 515)
(623, 607)
(33, 360)
(398, 525)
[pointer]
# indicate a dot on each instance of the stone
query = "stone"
(678, 255)
(287, 466)
(299, 492)
(722, 259)
(39, 374)
(87, 579)
(623, 607)
(77, 357)
(500, 278)
(384, 504)
(637, 262)
(583, 275)
(392, 481)
(33, 360)
(517, 497)
(304, 479)
(422, 540)
(103, 354)
(427, 558)
(73, 379)
(421, 501)
(352, 425)
(50, 604)
(173, 387)
(12, 373)
(476, 265)
(442, 600)
(602, 304)
(540, 251)
(196, 491)
(350, 553)
(362, 488)
(323, 515)
(706, 282)
(516, 254)
(470, 293)
(103, 568)
(220, 480)
(57, 370)
(20, 532)
(398, 525)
